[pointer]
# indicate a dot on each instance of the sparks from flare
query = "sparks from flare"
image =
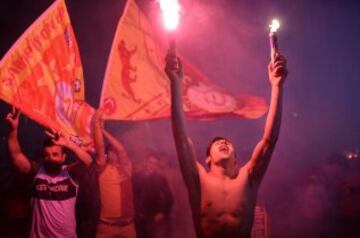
(275, 24)
(171, 13)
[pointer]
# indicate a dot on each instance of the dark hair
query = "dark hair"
(208, 148)
(48, 142)
(338, 160)
(108, 148)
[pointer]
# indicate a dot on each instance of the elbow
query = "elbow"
(270, 141)
(23, 170)
(21, 167)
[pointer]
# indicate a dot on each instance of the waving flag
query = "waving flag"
(42, 75)
(135, 86)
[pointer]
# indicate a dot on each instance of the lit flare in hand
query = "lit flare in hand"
(274, 45)
(275, 24)
(171, 13)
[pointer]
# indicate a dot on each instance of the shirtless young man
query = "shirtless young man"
(223, 199)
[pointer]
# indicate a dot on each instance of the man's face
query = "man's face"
(221, 150)
(54, 154)
(152, 164)
(112, 156)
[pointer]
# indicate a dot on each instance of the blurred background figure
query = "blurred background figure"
(348, 212)
(15, 206)
(154, 199)
(115, 185)
(319, 196)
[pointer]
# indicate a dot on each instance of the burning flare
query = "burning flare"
(274, 44)
(171, 13)
(275, 24)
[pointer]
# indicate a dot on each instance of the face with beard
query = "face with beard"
(54, 156)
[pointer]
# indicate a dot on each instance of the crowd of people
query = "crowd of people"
(91, 196)
(114, 200)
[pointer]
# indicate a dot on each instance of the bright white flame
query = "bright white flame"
(171, 13)
(275, 24)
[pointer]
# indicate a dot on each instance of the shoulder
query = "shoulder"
(35, 168)
(76, 170)
(246, 177)
(201, 169)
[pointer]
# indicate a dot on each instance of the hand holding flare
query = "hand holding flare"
(274, 45)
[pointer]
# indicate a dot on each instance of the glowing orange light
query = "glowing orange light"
(171, 13)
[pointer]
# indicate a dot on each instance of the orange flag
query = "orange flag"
(42, 75)
(136, 87)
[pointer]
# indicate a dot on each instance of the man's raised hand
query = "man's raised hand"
(13, 118)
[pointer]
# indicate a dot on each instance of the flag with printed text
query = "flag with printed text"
(42, 75)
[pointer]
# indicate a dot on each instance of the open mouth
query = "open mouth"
(224, 149)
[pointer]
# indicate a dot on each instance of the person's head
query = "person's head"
(111, 155)
(52, 153)
(220, 150)
(152, 163)
(336, 164)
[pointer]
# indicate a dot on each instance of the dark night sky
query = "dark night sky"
(228, 41)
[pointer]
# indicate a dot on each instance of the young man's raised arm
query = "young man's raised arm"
(120, 151)
(21, 162)
(63, 140)
(262, 153)
(97, 127)
(184, 146)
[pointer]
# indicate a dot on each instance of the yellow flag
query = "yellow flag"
(135, 86)
(42, 74)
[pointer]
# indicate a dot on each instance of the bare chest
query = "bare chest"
(226, 196)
